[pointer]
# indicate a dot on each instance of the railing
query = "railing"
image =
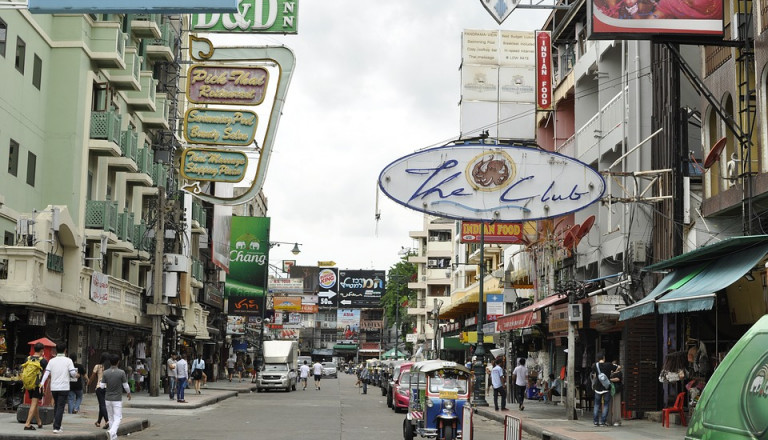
(146, 158)
(609, 118)
(101, 214)
(199, 214)
(140, 242)
(129, 144)
(125, 226)
(166, 39)
(159, 175)
(105, 125)
(714, 57)
(147, 17)
(124, 297)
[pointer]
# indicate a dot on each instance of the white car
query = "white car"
(329, 369)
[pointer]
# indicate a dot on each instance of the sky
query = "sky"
(374, 81)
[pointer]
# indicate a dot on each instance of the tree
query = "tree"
(398, 277)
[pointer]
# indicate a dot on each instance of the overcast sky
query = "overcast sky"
(374, 81)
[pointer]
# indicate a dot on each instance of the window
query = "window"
(100, 97)
(37, 72)
(9, 238)
(31, 167)
(21, 52)
(3, 37)
(13, 158)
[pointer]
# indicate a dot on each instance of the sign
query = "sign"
(491, 182)
(100, 288)
(494, 306)
(309, 274)
(213, 165)
(500, 9)
(236, 325)
(252, 16)
(248, 263)
(329, 263)
(213, 296)
(348, 323)
(543, 70)
(412, 338)
(286, 285)
(287, 265)
(226, 84)
(309, 308)
(496, 232)
(328, 286)
(132, 6)
(518, 320)
(361, 288)
(665, 18)
(289, 303)
(220, 127)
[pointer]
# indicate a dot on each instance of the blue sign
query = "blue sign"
(133, 6)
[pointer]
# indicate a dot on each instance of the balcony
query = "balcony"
(123, 299)
(602, 132)
(101, 214)
(107, 46)
(125, 226)
(159, 175)
(146, 158)
(129, 144)
(158, 117)
(141, 242)
(144, 98)
(146, 25)
(126, 78)
(199, 217)
(105, 132)
(162, 48)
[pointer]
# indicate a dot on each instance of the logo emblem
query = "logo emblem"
(755, 399)
(500, 9)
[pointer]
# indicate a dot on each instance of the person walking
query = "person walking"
(170, 373)
(231, 361)
(115, 382)
(182, 375)
(498, 381)
(198, 367)
(36, 364)
(614, 415)
(98, 371)
(239, 366)
(75, 397)
(60, 369)
(520, 374)
(317, 370)
(602, 392)
(304, 374)
(364, 376)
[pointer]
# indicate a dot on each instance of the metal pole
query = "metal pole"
(397, 323)
(570, 402)
(157, 296)
(480, 351)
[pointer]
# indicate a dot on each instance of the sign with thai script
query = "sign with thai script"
(220, 127)
(100, 288)
(286, 285)
(543, 70)
(360, 288)
(213, 165)
(248, 263)
(491, 182)
(226, 84)
(496, 232)
(252, 16)
(130, 6)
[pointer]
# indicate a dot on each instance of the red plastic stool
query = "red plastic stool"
(624, 414)
(677, 408)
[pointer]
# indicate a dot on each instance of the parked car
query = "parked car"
(401, 393)
(329, 370)
(391, 382)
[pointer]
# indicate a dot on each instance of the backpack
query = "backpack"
(602, 378)
(30, 375)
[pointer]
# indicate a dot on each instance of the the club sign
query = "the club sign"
(491, 182)
(220, 127)
(226, 84)
(213, 165)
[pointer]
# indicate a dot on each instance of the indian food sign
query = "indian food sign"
(213, 165)
(220, 127)
(226, 84)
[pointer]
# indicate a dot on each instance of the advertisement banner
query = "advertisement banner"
(100, 288)
(360, 288)
(543, 70)
(328, 283)
(656, 19)
(213, 165)
(236, 325)
(495, 233)
(309, 308)
(288, 303)
(252, 16)
(348, 323)
(248, 262)
(309, 275)
(220, 127)
(286, 285)
(226, 84)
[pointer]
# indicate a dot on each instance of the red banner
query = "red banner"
(543, 70)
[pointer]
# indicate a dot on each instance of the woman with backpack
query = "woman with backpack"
(30, 376)
(98, 372)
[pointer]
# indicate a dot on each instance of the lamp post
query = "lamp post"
(480, 350)
(436, 313)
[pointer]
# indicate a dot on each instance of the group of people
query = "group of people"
(179, 371)
(498, 381)
(317, 372)
(60, 374)
(240, 365)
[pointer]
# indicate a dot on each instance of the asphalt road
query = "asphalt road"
(338, 411)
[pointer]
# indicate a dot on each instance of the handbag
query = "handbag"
(613, 389)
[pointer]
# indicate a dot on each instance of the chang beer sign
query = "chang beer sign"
(253, 16)
(248, 262)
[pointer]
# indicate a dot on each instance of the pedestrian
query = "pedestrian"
(98, 371)
(181, 377)
(555, 387)
(304, 374)
(248, 366)
(498, 381)
(198, 367)
(520, 374)
(115, 382)
(75, 397)
(170, 373)
(36, 364)
(317, 370)
(231, 361)
(602, 392)
(60, 369)
(614, 415)
(364, 376)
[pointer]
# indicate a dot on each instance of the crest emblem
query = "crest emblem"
(500, 9)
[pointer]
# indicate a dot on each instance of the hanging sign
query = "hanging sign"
(213, 165)
(252, 16)
(543, 70)
(220, 127)
(226, 84)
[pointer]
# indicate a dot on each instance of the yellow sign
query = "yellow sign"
(449, 394)
(471, 338)
(329, 263)
(287, 303)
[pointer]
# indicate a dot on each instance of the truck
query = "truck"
(279, 369)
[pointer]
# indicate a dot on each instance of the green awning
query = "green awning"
(345, 347)
(454, 344)
(693, 288)
(708, 253)
(390, 354)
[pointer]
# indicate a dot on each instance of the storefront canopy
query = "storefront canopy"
(345, 347)
(698, 276)
(527, 316)
(390, 354)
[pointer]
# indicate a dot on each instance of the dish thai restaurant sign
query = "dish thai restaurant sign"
(125, 6)
(496, 232)
(610, 19)
(220, 127)
(491, 182)
(253, 16)
(213, 165)
(226, 84)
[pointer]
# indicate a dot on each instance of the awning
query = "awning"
(693, 287)
(391, 354)
(527, 316)
(345, 347)
(454, 344)
(322, 352)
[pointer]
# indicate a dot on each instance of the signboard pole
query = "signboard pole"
(570, 402)
(480, 350)
(157, 296)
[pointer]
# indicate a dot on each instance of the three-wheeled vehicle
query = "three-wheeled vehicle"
(439, 391)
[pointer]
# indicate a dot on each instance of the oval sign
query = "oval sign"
(491, 182)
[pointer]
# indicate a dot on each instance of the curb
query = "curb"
(205, 402)
(127, 426)
(530, 426)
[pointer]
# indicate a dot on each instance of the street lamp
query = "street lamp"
(294, 251)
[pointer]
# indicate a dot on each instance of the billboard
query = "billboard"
(252, 16)
(610, 19)
(248, 262)
(287, 303)
(348, 324)
(328, 281)
(286, 285)
(495, 233)
(309, 274)
(360, 288)
(543, 70)
(132, 6)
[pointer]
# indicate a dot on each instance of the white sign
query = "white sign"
(411, 337)
(491, 182)
(286, 285)
(100, 288)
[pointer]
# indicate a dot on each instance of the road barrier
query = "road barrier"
(513, 428)
(468, 428)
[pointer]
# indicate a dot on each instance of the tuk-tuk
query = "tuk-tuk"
(439, 391)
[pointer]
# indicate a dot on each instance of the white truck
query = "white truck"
(279, 369)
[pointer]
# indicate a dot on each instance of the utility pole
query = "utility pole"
(157, 311)
(570, 401)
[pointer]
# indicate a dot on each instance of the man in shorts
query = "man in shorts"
(304, 374)
(36, 394)
(231, 361)
(317, 370)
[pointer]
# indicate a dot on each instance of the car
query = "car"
(401, 393)
(329, 369)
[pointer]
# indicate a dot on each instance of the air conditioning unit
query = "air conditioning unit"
(638, 251)
(175, 263)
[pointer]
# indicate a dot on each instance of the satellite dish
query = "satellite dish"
(714, 153)
(585, 227)
(570, 238)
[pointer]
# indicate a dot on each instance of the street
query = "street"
(337, 411)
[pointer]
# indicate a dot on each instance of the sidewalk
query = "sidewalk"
(551, 422)
(81, 426)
